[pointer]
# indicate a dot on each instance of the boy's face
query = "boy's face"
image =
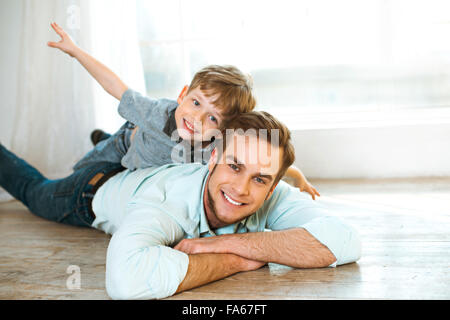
(196, 117)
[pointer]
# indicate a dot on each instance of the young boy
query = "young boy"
(156, 129)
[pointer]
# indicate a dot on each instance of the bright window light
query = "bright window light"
(307, 56)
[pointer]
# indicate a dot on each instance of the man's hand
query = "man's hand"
(207, 265)
(214, 245)
(66, 44)
(200, 245)
(294, 247)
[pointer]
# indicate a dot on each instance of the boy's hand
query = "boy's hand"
(301, 182)
(305, 186)
(66, 44)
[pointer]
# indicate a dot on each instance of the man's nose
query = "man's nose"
(241, 187)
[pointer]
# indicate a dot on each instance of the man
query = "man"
(180, 226)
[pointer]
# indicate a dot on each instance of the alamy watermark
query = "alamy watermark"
(73, 20)
(73, 282)
(266, 147)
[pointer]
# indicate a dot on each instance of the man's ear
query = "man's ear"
(182, 94)
(212, 160)
(271, 191)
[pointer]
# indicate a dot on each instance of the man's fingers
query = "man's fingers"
(185, 246)
(179, 245)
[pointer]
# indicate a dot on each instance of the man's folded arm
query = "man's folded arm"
(304, 235)
(291, 209)
(208, 267)
(322, 242)
(140, 263)
(339, 237)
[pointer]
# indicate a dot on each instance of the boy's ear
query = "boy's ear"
(212, 160)
(182, 94)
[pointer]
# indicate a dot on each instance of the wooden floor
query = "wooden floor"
(404, 226)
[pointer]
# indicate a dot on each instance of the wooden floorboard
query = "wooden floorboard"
(404, 225)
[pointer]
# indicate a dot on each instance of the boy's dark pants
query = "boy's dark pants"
(66, 200)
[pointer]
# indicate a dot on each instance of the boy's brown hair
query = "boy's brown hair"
(232, 87)
(254, 121)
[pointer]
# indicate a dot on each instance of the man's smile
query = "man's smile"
(230, 200)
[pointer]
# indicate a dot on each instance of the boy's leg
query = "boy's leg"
(64, 200)
(112, 149)
(99, 135)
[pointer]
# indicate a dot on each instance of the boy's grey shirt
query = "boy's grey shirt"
(156, 141)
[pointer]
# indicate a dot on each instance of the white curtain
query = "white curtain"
(58, 104)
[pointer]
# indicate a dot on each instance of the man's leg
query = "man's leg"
(64, 200)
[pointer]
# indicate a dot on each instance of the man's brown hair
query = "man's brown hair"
(257, 120)
(232, 87)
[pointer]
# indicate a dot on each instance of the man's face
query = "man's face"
(239, 181)
(196, 117)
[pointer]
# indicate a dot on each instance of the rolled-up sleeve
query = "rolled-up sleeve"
(140, 263)
(340, 238)
(288, 208)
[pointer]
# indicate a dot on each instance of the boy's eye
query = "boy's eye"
(196, 102)
(212, 118)
(234, 167)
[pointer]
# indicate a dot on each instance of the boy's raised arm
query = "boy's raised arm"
(104, 76)
(301, 182)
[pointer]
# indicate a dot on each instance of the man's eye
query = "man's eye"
(259, 180)
(196, 102)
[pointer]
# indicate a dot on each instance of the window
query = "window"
(310, 57)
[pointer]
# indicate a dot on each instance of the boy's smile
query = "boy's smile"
(197, 118)
(189, 126)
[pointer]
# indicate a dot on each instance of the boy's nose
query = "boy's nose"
(198, 124)
(199, 119)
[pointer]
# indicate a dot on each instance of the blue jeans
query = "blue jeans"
(64, 200)
(111, 148)
(104, 136)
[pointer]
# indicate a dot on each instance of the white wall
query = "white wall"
(384, 152)
(10, 17)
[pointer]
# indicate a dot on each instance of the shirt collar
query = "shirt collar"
(171, 124)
